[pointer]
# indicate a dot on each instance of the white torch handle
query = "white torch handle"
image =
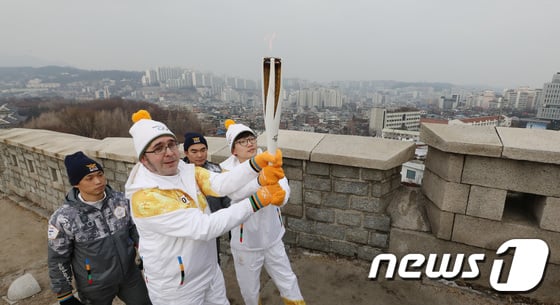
(271, 101)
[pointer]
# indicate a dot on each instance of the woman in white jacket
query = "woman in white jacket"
(257, 242)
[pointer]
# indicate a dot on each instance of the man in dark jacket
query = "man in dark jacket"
(92, 239)
(196, 152)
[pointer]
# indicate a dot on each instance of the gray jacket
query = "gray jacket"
(96, 246)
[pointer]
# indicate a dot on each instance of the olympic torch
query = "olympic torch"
(272, 74)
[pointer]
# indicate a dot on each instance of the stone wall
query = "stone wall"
(482, 186)
(33, 163)
(486, 185)
(340, 185)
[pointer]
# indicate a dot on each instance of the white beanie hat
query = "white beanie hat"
(145, 130)
(233, 130)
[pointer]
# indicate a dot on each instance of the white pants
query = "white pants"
(213, 293)
(248, 265)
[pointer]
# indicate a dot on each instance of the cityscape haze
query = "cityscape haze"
(498, 44)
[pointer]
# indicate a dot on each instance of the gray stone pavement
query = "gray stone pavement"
(324, 279)
(329, 280)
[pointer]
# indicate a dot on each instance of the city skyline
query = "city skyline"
(503, 43)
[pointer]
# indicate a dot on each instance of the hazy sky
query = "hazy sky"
(504, 43)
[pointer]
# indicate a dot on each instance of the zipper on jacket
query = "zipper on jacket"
(111, 235)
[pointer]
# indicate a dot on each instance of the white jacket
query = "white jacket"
(263, 229)
(177, 231)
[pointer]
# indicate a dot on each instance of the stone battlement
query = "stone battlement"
(482, 185)
(486, 185)
(340, 185)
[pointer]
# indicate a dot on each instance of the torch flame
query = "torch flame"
(270, 38)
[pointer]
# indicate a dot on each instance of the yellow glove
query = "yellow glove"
(264, 159)
(277, 159)
(269, 194)
(270, 175)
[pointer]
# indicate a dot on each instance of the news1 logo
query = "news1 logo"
(526, 272)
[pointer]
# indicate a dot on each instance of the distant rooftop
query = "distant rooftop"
(434, 121)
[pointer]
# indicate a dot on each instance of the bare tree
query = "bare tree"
(77, 120)
(106, 118)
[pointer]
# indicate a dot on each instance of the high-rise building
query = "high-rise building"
(103, 94)
(166, 73)
(381, 118)
(523, 98)
(485, 99)
(149, 78)
(320, 97)
(446, 103)
(550, 100)
(538, 98)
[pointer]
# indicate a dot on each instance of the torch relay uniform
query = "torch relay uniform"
(177, 231)
(257, 242)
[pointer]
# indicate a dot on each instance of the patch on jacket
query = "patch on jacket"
(120, 212)
(52, 232)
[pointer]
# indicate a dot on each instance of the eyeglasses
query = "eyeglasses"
(246, 141)
(161, 149)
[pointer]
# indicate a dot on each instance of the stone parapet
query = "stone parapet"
(349, 151)
(482, 187)
(441, 221)
(448, 196)
(490, 234)
(513, 175)
(465, 140)
(340, 185)
(45, 142)
(486, 185)
(530, 144)
(448, 166)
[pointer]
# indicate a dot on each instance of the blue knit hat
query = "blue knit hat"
(78, 165)
(193, 138)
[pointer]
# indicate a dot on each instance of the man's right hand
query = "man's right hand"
(266, 195)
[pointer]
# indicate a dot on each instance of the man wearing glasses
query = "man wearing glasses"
(257, 242)
(177, 232)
